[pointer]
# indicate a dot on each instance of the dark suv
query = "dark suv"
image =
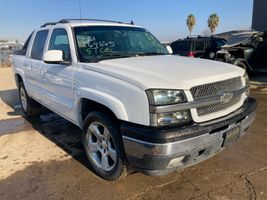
(247, 50)
(201, 47)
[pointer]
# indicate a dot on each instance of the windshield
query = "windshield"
(220, 43)
(96, 43)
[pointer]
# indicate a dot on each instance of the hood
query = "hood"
(240, 38)
(166, 71)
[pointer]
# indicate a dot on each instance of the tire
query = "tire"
(29, 106)
(242, 65)
(103, 146)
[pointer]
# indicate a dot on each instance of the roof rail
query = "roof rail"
(70, 20)
(48, 24)
(100, 20)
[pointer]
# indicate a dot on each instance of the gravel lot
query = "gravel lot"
(43, 159)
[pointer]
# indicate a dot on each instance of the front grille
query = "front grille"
(216, 107)
(216, 89)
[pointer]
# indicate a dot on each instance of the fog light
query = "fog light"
(175, 162)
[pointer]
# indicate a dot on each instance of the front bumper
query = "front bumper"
(160, 151)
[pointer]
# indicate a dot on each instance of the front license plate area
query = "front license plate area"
(231, 136)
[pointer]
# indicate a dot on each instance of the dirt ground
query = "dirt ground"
(43, 159)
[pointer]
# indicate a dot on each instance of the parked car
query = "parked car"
(200, 47)
(136, 104)
(247, 50)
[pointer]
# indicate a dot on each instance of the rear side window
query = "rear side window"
(23, 51)
(181, 46)
(38, 45)
(59, 41)
(199, 46)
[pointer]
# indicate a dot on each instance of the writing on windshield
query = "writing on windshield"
(102, 42)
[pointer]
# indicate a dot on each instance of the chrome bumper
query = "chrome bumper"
(139, 148)
(159, 158)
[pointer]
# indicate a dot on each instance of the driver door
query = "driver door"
(58, 78)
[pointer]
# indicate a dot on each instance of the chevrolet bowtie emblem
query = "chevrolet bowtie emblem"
(226, 97)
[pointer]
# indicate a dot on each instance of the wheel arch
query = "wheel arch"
(90, 100)
(241, 60)
(18, 79)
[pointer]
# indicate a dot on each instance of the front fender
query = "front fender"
(113, 103)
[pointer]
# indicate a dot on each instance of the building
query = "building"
(259, 20)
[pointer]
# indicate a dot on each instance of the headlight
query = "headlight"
(170, 118)
(246, 79)
(159, 97)
(167, 98)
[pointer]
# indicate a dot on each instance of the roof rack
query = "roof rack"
(99, 20)
(48, 24)
(71, 20)
(199, 36)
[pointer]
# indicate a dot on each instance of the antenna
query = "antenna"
(80, 9)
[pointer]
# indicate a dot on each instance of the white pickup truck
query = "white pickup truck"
(137, 105)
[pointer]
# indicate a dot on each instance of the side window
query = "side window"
(181, 46)
(199, 46)
(59, 41)
(23, 50)
(38, 45)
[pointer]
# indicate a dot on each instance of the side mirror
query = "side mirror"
(168, 47)
(53, 57)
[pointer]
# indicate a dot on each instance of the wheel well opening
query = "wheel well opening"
(18, 79)
(88, 106)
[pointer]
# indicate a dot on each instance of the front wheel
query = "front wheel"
(103, 146)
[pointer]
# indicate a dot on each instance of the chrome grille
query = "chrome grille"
(212, 108)
(216, 89)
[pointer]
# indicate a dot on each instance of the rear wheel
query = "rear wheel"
(103, 146)
(29, 106)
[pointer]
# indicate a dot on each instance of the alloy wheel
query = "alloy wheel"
(100, 146)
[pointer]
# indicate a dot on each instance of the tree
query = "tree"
(190, 22)
(213, 22)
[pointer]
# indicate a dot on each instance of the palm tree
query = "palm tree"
(213, 22)
(190, 22)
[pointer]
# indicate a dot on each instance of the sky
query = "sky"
(164, 18)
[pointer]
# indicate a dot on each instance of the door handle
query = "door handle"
(29, 68)
(43, 71)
